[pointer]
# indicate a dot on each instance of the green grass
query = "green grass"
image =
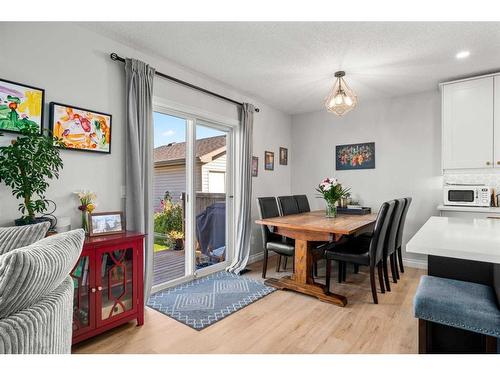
(157, 248)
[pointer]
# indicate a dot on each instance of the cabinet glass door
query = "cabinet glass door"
(82, 310)
(116, 289)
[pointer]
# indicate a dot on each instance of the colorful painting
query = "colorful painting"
(355, 156)
(21, 107)
(255, 166)
(269, 160)
(81, 129)
(283, 156)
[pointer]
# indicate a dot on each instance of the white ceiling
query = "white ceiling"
(290, 65)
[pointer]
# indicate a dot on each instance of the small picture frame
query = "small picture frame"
(102, 223)
(255, 166)
(269, 161)
(283, 156)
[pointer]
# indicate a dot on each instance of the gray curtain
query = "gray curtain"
(138, 159)
(243, 190)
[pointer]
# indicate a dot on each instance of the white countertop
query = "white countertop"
(488, 210)
(462, 238)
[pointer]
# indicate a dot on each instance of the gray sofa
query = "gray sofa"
(36, 291)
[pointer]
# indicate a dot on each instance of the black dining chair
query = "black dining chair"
(399, 238)
(390, 243)
(268, 207)
(302, 203)
(288, 205)
(361, 252)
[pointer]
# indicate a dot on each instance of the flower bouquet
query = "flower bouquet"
(331, 191)
(87, 205)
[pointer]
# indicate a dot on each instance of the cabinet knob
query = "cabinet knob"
(99, 288)
(93, 290)
(488, 163)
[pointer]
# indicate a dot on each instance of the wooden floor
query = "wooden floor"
(284, 322)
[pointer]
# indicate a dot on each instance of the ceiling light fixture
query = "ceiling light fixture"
(341, 99)
(462, 55)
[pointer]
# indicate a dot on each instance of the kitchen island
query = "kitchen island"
(466, 249)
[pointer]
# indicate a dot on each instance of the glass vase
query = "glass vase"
(331, 209)
(85, 222)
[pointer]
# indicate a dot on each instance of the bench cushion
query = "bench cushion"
(459, 304)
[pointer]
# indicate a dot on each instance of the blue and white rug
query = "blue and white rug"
(202, 302)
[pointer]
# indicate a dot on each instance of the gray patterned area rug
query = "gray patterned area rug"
(204, 301)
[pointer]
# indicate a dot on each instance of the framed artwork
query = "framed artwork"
(80, 128)
(355, 156)
(102, 223)
(255, 166)
(283, 156)
(21, 106)
(269, 160)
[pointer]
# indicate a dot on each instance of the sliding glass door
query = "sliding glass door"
(192, 197)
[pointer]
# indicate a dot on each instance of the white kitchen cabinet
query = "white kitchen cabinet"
(468, 123)
(496, 129)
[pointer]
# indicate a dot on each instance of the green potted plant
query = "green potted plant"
(25, 166)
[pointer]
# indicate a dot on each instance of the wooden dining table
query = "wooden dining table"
(307, 229)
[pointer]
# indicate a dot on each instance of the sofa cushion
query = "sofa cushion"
(15, 237)
(29, 273)
(459, 304)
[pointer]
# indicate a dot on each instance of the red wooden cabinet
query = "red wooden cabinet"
(108, 284)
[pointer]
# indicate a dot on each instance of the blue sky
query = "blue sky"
(170, 129)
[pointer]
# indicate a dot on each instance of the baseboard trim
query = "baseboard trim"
(411, 263)
(414, 263)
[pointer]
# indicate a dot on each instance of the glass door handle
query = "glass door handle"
(92, 290)
(99, 288)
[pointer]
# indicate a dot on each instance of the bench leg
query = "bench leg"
(422, 336)
(491, 345)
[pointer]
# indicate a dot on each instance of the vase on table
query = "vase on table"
(85, 222)
(331, 209)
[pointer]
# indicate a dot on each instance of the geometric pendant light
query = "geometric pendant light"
(342, 98)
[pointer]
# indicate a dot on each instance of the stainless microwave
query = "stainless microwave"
(467, 195)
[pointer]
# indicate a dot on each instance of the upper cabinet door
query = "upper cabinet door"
(496, 130)
(468, 124)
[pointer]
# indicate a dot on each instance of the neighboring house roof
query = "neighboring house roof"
(206, 150)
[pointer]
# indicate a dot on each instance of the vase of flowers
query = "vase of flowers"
(87, 205)
(331, 191)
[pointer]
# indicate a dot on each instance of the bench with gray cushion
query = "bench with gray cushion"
(36, 292)
(459, 304)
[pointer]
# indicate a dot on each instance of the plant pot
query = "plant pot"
(26, 221)
(179, 244)
(331, 209)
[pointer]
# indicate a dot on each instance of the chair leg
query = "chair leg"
(286, 261)
(340, 272)
(396, 265)
(327, 276)
(315, 269)
(293, 264)
(386, 274)
(356, 268)
(393, 268)
(400, 257)
(278, 264)
(344, 271)
(373, 285)
(380, 277)
(264, 264)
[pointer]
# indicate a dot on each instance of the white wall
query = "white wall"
(407, 135)
(72, 63)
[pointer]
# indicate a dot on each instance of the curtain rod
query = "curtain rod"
(115, 57)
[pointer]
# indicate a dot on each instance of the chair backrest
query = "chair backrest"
(380, 231)
(399, 237)
(288, 205)
(392, 231)
(268, 207)
(302, 203)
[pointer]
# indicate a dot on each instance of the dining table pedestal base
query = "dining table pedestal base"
(314, 290)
